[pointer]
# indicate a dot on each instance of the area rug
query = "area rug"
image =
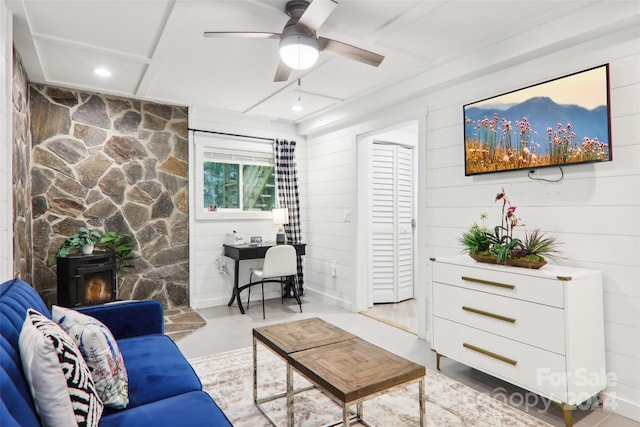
(228, 378)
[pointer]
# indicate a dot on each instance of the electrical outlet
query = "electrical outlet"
(333, 269)
(221, 263)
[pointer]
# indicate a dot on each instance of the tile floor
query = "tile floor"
(227, 329)
(181, 322)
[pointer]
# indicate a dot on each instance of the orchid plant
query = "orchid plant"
(501, 243)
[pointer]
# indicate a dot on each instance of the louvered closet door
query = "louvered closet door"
(404, 212)
(391, 216)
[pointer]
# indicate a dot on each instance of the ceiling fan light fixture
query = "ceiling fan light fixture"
(299, 51)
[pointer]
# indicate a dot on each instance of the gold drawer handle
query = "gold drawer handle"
(490, 354)
(488, 314)
(488, 282)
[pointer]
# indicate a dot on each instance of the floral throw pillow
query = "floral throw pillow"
(59, 378)
(100, 350)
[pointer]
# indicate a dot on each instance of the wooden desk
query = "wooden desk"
(243, 252)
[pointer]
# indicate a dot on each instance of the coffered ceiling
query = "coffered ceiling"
(156, 49)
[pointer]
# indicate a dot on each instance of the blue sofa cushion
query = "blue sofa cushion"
(126, 319)
(194, 409)
(17, 407)
(142, 357)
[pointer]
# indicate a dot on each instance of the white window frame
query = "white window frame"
(223, 149)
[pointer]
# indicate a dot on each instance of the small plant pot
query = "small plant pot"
(87, 249)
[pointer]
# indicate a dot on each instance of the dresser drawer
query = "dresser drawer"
(532, 286)
(530, 323)
(520, 364)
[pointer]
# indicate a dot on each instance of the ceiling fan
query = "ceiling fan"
(299, 43)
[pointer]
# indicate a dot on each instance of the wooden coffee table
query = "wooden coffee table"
(355, 370)
(344, 367)
(286, 338)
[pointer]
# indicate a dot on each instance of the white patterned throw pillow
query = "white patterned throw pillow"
(100, 350)
(58, 376)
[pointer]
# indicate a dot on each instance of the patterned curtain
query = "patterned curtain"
(287, 184)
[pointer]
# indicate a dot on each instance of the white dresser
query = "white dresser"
(541, 330)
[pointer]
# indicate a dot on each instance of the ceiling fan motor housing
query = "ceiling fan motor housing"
(295, 8)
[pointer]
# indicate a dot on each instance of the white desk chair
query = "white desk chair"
(280, 264)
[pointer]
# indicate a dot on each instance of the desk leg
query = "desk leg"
(295, 294)
(236, 291)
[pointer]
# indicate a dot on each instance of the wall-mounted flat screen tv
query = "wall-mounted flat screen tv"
(559, 122)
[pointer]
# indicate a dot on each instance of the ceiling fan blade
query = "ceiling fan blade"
(349, 51)
(282, 73)
(315, 15)
(242, 34)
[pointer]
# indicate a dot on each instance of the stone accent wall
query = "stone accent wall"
(115, 164)
(22, 248)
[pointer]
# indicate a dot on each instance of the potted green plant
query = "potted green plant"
(499, 244)
(121, 245)
(82, 241)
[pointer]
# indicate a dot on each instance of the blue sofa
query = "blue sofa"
(163, 388)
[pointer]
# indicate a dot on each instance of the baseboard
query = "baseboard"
(256, 295)
(328, 299)
(617, 405)
(210, 302)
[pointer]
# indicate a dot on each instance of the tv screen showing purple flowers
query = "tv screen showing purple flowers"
(555, 123)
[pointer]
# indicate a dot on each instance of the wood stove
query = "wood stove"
(86, 279)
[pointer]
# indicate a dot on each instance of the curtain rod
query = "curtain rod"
(260, 138)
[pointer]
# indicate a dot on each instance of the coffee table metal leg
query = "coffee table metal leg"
(346, 414)
(255, 371)
(421, 399)
(359, 413)
(289, 395)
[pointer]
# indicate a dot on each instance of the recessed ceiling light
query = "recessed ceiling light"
(102, 72)
(296, 107)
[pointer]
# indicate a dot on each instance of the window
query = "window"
(234, 178)
(246, 187)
